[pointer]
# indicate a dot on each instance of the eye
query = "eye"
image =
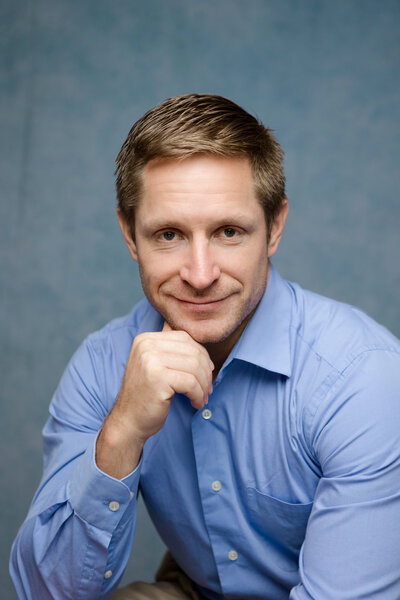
(168, 236)
(229, 232)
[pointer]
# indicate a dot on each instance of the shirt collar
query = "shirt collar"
(265, 342)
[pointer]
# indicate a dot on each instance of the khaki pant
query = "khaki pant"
(171, 584)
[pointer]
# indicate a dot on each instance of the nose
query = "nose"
(200, 269)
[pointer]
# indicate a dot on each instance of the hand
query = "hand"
(160, 364)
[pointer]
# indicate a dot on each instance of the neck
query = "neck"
(219, 351)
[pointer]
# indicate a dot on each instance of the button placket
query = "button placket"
(208, 434)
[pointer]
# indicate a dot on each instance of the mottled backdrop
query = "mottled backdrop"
(75, 75)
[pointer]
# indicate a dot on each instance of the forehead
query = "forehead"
(199, 184)
(200, 169)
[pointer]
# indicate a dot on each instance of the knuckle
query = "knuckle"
(140, 343)
(150, 361)
(139, 338)
(184, 335)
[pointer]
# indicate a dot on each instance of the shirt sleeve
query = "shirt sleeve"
(352, 544)
(77, 537)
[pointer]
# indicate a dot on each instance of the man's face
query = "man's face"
(201, 245)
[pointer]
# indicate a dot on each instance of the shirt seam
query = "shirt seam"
(352, 357)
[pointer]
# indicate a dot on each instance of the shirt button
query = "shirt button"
(131, 495)
(206, 414)
(232, 555)
(114, 506)
(107, 574)
(216, 485)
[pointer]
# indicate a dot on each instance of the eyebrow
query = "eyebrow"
(151, 226)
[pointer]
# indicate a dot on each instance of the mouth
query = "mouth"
(201, 305)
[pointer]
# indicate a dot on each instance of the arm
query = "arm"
(79, 531)
(62, 549)
(352, 543)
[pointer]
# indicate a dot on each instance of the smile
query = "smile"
(202, 305)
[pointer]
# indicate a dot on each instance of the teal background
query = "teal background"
(75, 75)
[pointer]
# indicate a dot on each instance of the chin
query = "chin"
(203, 333)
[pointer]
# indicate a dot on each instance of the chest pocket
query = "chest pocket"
(282, 525)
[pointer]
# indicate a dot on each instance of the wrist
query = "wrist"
(118, 452)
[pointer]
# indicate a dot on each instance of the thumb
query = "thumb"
(167, 327)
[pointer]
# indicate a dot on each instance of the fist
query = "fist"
(159, 365)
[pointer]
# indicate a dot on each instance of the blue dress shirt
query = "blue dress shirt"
(286, 485)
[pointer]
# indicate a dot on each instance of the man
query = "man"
(261, 422)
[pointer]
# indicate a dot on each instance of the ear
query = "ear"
(127, 234)
(277, 228)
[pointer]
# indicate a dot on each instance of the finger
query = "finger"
(172, 341)
(167, 327)
(187, 384)
(193, 365)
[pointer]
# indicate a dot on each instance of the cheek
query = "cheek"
(248, 267)
(256, 272)
(157, 271)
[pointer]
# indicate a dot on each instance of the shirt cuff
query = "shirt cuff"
(98, 498)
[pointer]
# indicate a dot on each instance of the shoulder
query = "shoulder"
(348, 376)
(108, 348)
(93, 376)
(337, 333)
(345, 370)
